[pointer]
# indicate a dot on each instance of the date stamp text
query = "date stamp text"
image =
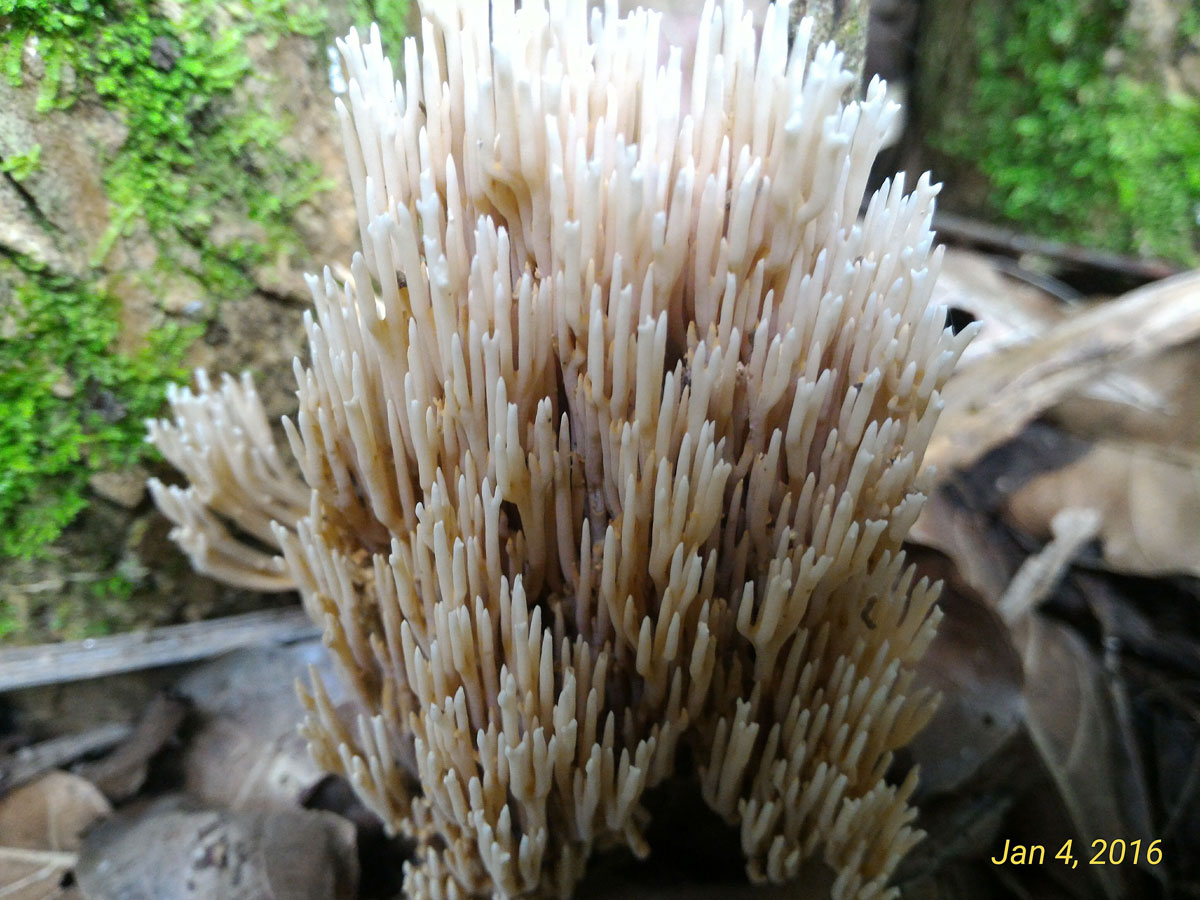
(1102, 853)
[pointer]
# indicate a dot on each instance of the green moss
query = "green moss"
(188, 152)
(10, 622)
(69, 404)
(390, 16)
(1070, 149)
(21, 165)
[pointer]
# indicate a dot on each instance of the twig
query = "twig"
(1038, 575)
(63, 859)
(29, 762)
(961, 230)
(24, 667)
(52, 863)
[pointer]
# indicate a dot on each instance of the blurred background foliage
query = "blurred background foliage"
(1077, 120)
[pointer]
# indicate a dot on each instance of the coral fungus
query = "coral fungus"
(608, 447)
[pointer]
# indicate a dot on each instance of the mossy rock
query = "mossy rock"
(169, 171)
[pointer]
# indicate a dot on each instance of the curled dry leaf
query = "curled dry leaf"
(1013, 310)
(989, 401)
(41, 825)
(121, 774)
(1163, 412)
(1148, 499)
(1010, 312)
(246, 753)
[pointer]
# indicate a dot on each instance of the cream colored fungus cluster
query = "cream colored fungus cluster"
(608, 446)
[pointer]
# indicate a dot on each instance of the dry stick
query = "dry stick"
(27, 763)
(57, 858)
(1040, 573)
(51, 862)
(25, 667)
(960, 230)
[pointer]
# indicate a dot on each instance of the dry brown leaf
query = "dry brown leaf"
(51, 813)
(121, 774)
(35, 874)
(969, 539)
(1071, 722)
(41, 825)
(1148, 498)
(989, 401)
(1010, 312)
(1166, 412)
(975, 667)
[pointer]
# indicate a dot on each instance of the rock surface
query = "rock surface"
(177, 851)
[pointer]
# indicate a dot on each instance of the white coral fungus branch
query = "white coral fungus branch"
(609, 446)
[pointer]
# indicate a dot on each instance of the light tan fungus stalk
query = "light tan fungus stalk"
(608, 447)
